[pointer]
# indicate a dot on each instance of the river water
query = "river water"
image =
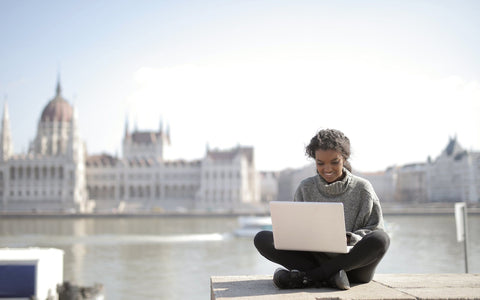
(173, 258)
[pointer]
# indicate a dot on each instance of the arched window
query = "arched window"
(104, 192)
(111, 194)
(132, 192)
(167, 191)
(183, 190)
(147, 191)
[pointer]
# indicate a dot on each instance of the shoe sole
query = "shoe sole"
(341, 281)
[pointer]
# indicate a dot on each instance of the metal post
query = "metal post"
(465, 239)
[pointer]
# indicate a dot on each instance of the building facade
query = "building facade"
(454, 176)
(225, 180)
(269, 186)
(411, 184)
(51, 176)
(385, 183)
(57, 175)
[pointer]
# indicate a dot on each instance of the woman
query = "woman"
(334, 182)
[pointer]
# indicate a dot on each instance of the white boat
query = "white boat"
(249, 226)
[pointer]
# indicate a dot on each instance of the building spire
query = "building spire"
(6, 146)
(59, 88)
(167, 133)
(160, 127)
(126, 127)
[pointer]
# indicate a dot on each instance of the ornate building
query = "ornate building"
(454, 175)
(51, 176)
(56, 175)
(223, 180)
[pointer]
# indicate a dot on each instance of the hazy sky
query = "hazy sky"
(397, 77)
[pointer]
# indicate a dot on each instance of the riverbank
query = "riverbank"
(389, 209)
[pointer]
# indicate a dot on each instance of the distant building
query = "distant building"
(51, 176)
(411, 183)
(56, 175)
(290, 179)
(229, 179)
(286, 185)
(223, 180)
(384, 183)
(454, 176)
(269, 186)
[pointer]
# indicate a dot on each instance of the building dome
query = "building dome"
(58, 109)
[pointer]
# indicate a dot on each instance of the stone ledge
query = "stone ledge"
(384, 286)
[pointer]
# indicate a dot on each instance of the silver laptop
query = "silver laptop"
(309, 226)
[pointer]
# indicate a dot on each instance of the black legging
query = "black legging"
(359, 263)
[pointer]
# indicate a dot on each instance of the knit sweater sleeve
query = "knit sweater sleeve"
(369, 217)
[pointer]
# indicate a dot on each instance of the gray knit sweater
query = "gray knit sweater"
(363, 213)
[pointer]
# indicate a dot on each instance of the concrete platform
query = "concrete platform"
(384, 286)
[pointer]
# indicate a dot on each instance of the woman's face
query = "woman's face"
(329, 164)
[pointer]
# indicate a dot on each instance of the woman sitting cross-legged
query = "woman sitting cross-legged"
(334, 182)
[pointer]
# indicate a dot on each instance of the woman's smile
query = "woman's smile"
(329, 164)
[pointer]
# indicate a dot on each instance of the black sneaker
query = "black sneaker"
(339, 280)
(293, 279)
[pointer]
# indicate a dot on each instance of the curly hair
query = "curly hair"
(330, 139)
